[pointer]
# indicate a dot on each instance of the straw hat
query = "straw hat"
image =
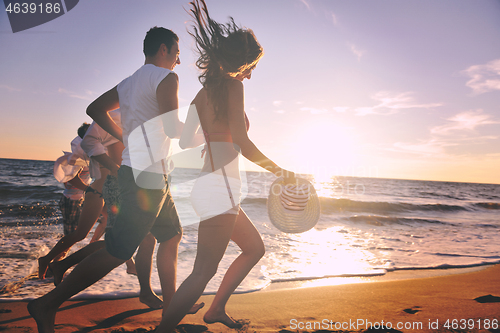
(293, 208)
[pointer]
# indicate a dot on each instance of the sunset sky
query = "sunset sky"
(376, 88)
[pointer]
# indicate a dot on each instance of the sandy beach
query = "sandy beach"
(467, 302)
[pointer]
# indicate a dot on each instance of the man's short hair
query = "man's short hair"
(157, 36)
(83, 129)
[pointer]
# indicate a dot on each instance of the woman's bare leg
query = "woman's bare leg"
(131, 269)
(58, 268)
(92, 207)
(90, 212)
(101, 227)
(213, 237)
(246, 236)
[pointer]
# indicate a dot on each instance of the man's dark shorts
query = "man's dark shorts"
(141, 211)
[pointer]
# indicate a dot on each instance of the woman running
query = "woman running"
(228, 54)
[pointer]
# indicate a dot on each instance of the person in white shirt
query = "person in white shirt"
(95, 144)
(91, 208)
(76, 178)
(149, 105)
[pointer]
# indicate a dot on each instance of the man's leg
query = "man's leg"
(166, 261)
(143, 265)
(89, 271)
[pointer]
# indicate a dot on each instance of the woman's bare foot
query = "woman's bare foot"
(196, 308)
(223, 318)
(44, 317)
(43, 264)
(151, 300)
(57, 271)
(131, 267)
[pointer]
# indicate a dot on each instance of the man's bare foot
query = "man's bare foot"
(131, 267)
(151, 300)
(221, 318)
(43, 264)
(57, 271)
(196, 308)
(44, 317)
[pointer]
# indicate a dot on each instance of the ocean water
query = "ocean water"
(368, 226)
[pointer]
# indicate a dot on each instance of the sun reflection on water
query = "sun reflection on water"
(319, 253)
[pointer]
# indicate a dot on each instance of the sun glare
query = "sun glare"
(325, 149)
(325, 253)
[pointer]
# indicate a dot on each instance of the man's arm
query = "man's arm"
(112, 159)
(107, 162)
(98, 111)
(192, 135)
(167, 94)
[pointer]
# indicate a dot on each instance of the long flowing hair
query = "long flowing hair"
(225, 51)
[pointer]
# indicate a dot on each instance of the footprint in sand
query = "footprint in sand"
(488, 299)
(187, 328)
(412, 310)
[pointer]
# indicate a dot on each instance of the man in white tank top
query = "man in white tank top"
(149, 104)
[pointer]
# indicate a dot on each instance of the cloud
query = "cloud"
(278, 104)
(10, 89)
(484, 78)
(373, 110)
(341, 109)
(334, 19)
(313, 110)
(423, 147)
(456, 137)
(89, 96)
(306, 4)
(390, 103)
(464, 121)
(356, 51)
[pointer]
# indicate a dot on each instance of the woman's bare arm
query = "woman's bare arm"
(237, 126)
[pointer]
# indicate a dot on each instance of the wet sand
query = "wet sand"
(468, 302)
